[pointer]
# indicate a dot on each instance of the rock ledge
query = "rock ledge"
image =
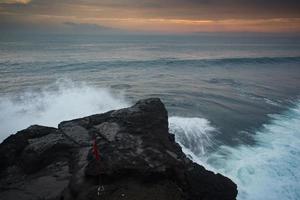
(139, 160)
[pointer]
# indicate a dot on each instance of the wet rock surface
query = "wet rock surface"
(139, 159)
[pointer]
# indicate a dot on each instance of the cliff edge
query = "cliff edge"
(121, 154)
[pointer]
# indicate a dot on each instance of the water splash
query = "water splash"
(194, 136)
(49, 107)
(268, 170)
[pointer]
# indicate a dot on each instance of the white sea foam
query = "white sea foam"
(268, 170)
(50, 107)
(194, 135)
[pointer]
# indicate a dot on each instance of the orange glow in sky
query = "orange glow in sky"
(176, 16)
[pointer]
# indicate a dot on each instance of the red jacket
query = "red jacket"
(96, 150)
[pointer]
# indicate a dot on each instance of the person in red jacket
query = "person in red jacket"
(96, 153)
(96, 149)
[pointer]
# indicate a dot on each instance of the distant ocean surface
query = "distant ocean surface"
(233, 102)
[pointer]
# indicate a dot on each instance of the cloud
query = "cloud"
(15, 1)
(87, 26)
(167, 15)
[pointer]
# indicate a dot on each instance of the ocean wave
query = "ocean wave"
(267, 170)
(201, 62)
(197, 62)
(195, 135)
(253, 60)
(49, 107)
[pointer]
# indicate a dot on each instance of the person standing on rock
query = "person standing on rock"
(96, 153)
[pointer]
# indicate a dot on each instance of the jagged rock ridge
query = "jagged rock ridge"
(139, 159)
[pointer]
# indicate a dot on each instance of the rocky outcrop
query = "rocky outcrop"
(139, 159)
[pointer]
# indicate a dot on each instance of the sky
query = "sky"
(166, 16)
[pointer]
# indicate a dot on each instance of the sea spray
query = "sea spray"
(267, 170)
(193, 133)
(195, 136)
(51, 106)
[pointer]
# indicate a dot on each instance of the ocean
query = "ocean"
(233, 101)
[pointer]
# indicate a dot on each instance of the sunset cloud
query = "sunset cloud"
(160, 15)
(15, 1)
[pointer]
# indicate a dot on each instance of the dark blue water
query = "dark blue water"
(233, 102)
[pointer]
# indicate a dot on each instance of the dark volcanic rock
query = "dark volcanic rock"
(139, 159)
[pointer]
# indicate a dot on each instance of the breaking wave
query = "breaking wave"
(49, 107)
(268, 170)
(265, 171)
(194, 136)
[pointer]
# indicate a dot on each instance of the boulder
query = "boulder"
(138, 159)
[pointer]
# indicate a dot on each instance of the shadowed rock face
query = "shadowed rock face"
(139, 159)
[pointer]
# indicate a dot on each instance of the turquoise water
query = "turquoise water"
(233, 102)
